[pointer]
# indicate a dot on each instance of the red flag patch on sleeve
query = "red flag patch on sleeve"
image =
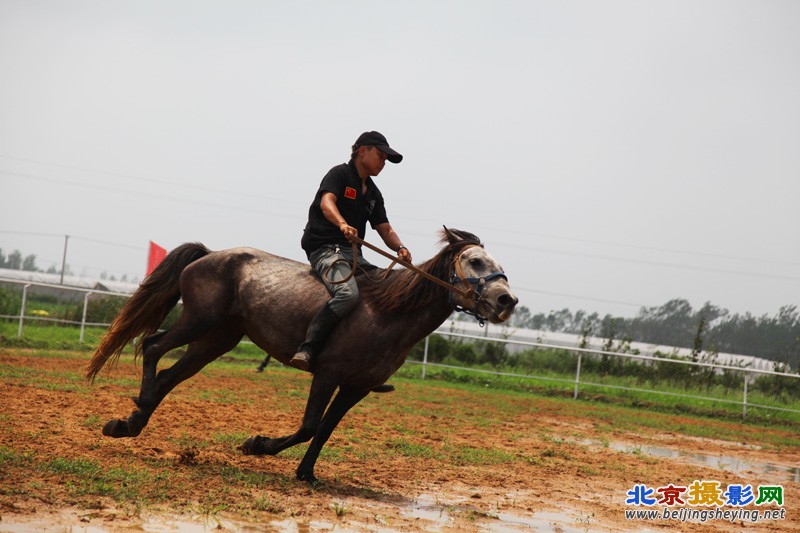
(350, 192)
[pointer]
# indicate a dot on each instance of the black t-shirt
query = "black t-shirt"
(356, 208)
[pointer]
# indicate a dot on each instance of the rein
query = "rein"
(457, 277)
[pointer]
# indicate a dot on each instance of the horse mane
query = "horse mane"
(404, 290)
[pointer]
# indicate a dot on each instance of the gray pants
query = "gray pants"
(345, 295)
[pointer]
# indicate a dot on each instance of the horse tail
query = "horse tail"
(147, 308)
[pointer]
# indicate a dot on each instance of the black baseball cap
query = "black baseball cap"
(373, 138)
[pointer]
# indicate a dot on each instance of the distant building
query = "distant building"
(571, 340)
(10, 278)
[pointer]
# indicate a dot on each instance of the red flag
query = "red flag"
(155, 256)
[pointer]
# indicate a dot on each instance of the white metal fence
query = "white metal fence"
(87, 293)
(748, 374)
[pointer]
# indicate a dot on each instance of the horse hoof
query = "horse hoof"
(116, 428)
(383, 388)
(258, 445)
(248, 448)
(308, 476)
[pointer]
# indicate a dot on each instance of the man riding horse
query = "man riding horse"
(276, 303)
(346, 199)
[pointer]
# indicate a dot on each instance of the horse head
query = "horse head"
(486, 293)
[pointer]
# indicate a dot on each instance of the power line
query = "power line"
(516, 288)
(517, 246)
(650, 263)
(78, 237)
(637, 261)
(109, 243)
(157, 181)
(508, 245)
(560, 294)
(283, 200)
(625, 245)
(236, 208)
(657, 249)
(32, 233)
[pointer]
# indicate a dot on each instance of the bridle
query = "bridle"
(472, 287)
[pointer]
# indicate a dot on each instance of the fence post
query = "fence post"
(577, 376)
(744, 398)
(83, 320)
(22, 309)
(425, 356)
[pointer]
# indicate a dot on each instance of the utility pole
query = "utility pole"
(64, 258)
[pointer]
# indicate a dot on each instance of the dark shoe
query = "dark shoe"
(319, 329)
(383, 388)
(301, 360)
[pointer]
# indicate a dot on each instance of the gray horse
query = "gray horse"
(244, 291)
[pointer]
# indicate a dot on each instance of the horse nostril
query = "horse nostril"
(506, 300)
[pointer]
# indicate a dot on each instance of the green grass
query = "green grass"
(613, 414)
(43, 336)
(127, 484)
(49, 341)
(661, 397)
(468, 455)
(268, 505)
(409, 449)
(47, 380)
(40, 335)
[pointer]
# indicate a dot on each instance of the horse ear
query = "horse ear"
(449, 236)
(454, 236)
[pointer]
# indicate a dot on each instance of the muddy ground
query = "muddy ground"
(428, 457)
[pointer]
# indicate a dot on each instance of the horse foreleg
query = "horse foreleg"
(321, 392)
(344, 401)
(197, 356)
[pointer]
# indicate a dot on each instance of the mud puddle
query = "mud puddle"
(427, 513)
(726, 463)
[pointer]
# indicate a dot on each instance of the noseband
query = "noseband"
(474, 286)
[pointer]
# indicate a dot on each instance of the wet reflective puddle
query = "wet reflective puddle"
(439, 516)
(726, 463)
(429, 513)
(432, 513)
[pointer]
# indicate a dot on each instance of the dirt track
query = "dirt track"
(427, 457)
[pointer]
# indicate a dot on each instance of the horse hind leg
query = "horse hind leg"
(133, 425)
(152, 351)
(155, 346)
(155, 387)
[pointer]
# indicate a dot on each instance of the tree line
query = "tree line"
(16, 261)
(677, 323)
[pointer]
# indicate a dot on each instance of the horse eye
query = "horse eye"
(475, 262)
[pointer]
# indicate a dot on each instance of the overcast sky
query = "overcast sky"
(611, 155)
